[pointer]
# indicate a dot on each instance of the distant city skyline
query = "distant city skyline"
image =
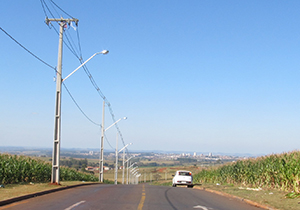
(10, 149)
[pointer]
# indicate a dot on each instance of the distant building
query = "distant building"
(195, 154)
(89, 168)
(91, 152)
(210, 154)
(106, 168)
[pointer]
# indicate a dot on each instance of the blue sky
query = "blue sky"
(203, 76)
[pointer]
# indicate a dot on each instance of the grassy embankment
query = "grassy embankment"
(16, 190)
(20, 175)
(20, 169)
(272, 180)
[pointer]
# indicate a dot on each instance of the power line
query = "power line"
(55, 71)
(54, 9)
(44, 62)
(85, 114)
(79, 45)
(79, 106)
(69, 46)
(44, 3)
(79, 57)
(108, 142)
(61, 9)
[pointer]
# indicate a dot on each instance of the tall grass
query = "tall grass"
(280, 171)
(21, 169)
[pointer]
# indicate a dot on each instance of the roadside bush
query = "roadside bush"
(274, 171)
(20, 169)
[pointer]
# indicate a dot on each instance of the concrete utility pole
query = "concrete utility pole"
(102, 136)
(57, 123)
(101, 146)
(117, 154)
(123, 171)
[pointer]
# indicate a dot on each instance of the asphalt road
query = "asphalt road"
(142, 196)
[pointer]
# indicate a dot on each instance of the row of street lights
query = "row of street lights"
(134, 174)
(117, 155)
(101, 159)
(57, 122)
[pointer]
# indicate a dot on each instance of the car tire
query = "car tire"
(190, 186)
(174, 185)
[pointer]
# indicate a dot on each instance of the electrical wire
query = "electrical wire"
(79, 106)
(44, 3)
(72, 49)
(43, 8)
(79, 45)
(55, 71)
(57, 13)
(61, 9)
(69, 46)
(108, 142)
(31, 53)
(79, 57)
(71, 42)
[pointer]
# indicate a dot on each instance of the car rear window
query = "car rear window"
(184, 173)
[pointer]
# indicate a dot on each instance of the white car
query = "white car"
(183, 178)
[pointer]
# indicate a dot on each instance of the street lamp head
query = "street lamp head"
(104, 52)
(125, 118)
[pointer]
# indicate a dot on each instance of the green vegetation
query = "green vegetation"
(274, 172)
(21, 169)
(74, 163)
(186, 160)
(274, 199)
(16, 190)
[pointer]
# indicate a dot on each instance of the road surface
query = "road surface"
(137, 197)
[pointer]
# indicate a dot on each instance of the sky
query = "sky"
(198, 75)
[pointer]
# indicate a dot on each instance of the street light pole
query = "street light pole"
(127, 170)
(116, 169)
(137, 178)
(132, 171)
(104, 52)
(123, 171)
(102, 142)
(57, 120)
(57, 123)
(117, 155)
(101, 146)
(133, 176)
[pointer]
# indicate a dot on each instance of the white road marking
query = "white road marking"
(200, 207)
(76, 204)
